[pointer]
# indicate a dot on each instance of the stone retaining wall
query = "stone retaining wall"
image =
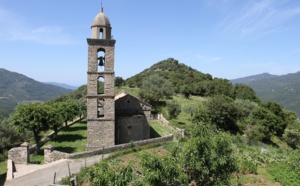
(161, 118)
(52, 155)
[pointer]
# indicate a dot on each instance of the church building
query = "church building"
(111, 119)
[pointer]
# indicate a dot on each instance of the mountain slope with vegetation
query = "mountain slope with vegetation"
(188, 81)
(15, 88)
(284, 89)
(178, 73)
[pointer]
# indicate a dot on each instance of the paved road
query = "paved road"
(45, 177)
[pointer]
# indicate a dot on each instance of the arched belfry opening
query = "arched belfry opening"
(100, 108)
(101, 60)
(101, 33)
(100, 86)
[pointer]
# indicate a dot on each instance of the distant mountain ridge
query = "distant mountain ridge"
(284, 89)
(253, 78)
(63, 85)
(15, 88)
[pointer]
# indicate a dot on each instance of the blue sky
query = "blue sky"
(46, 40)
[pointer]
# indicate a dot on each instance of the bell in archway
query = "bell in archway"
(101, 61)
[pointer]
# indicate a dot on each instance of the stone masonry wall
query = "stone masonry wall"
(53, 155)
(19, 155)
(100, 133)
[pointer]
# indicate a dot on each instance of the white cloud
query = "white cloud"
(14, 27)
(46, 30)
(259, 18)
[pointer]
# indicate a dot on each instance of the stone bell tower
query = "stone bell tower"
(100, 85)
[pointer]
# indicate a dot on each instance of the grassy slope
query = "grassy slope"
(72, 139)
(2, 172)
(188, 107)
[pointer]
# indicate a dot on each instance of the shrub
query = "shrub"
(208, 158)
(174, 109)
(292, 138)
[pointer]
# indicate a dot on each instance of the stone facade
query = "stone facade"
(132, 118)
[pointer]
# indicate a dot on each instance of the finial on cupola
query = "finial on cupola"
(101, 6)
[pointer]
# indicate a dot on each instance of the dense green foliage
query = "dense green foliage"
(103, 174)
(268, 120)
(292, 138)
(174, 109)
(16, 88)
(177, 73)
(162, 170)
(32, 117)
(288, 170)
(39, 117)
(155, 88)
(187, 81)
(220, 111)
(119, 81)
(244, 92)
(8, 135)
(206, 159)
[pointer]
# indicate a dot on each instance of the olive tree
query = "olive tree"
(69, 110)
(54, 118)
(33, 117)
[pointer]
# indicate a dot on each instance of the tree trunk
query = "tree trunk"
(37, 140)
(55, 132)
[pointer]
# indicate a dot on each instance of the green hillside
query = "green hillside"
(178, 73)
(284, 89)
(15, 88)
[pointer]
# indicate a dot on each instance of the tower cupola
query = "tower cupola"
(101, 28)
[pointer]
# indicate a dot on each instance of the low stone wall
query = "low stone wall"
(161, 118)
(19, 155)
(52, 155)
(111, 149)
(10, 170)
